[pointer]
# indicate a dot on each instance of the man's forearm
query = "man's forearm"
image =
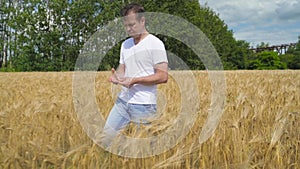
(151, 79)
(160, 76)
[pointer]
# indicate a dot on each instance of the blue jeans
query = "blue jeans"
(123, 113)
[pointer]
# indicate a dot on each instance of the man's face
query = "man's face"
(133, 26)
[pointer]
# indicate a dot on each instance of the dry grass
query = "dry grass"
(260, 127)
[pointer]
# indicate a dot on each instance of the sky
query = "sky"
(270, 21)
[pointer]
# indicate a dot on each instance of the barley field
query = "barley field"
(259, 128)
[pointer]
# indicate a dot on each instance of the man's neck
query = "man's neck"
(140, 37)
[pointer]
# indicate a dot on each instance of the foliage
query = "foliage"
(292, 57)
(38, 35)
(48, 35)
(267, 60)
(263, 45)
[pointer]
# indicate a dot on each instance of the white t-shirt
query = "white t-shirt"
(139, 61)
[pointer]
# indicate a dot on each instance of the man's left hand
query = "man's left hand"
(128, 82)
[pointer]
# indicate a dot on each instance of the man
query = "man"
(143, 65)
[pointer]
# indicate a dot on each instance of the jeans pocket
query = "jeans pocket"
(150, 108)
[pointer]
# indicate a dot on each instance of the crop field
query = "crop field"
(259, 127)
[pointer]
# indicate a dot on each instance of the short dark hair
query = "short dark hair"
(135, 8)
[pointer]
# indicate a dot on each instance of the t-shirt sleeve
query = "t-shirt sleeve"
(159, 54)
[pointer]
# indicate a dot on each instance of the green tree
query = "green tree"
(263, 45)
(6, 14)
(292, 57)
(50, 34)
(44, 35)
(267, 60)
(242, 55)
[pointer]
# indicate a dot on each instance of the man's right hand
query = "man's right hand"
(114, 78)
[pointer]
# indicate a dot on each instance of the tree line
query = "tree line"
(48, 35)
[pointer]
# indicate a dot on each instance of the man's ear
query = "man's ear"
(143, 20)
